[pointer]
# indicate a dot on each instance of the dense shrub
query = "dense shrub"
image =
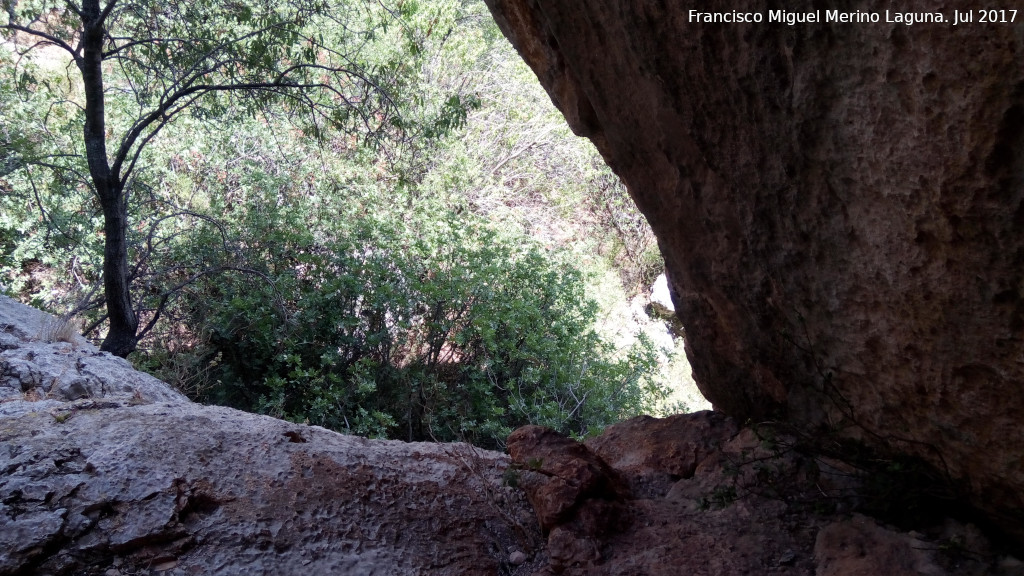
(442, 329)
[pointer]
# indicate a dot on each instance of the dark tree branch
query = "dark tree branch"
(106, 10)
(42, 209)
(96, 323)
(133, 43)
(166, 295)
(167, 109)
(71, 6)
(48, 39)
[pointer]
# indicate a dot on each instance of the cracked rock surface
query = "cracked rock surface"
(32, 364)
(106, 469)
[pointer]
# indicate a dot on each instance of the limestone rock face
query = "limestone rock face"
(35, 365)
(840, 206)
(122, 475)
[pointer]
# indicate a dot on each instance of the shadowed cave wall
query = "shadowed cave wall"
(839, 207)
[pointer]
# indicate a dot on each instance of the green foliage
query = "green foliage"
(48, 219)
(436, 329)
(384, 269)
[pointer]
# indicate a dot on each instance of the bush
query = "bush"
(441, 331)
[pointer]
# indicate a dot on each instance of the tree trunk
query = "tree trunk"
(121, 337)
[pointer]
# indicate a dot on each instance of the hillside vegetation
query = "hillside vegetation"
(425, 252)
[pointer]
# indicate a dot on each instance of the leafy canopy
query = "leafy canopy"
(202, 57)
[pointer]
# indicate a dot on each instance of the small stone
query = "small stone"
(165, 566)
(516, 558)
(787, 558)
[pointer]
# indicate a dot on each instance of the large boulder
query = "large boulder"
(840, 207)
(104, 470)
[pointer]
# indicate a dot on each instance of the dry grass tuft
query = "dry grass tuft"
(62, 329)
